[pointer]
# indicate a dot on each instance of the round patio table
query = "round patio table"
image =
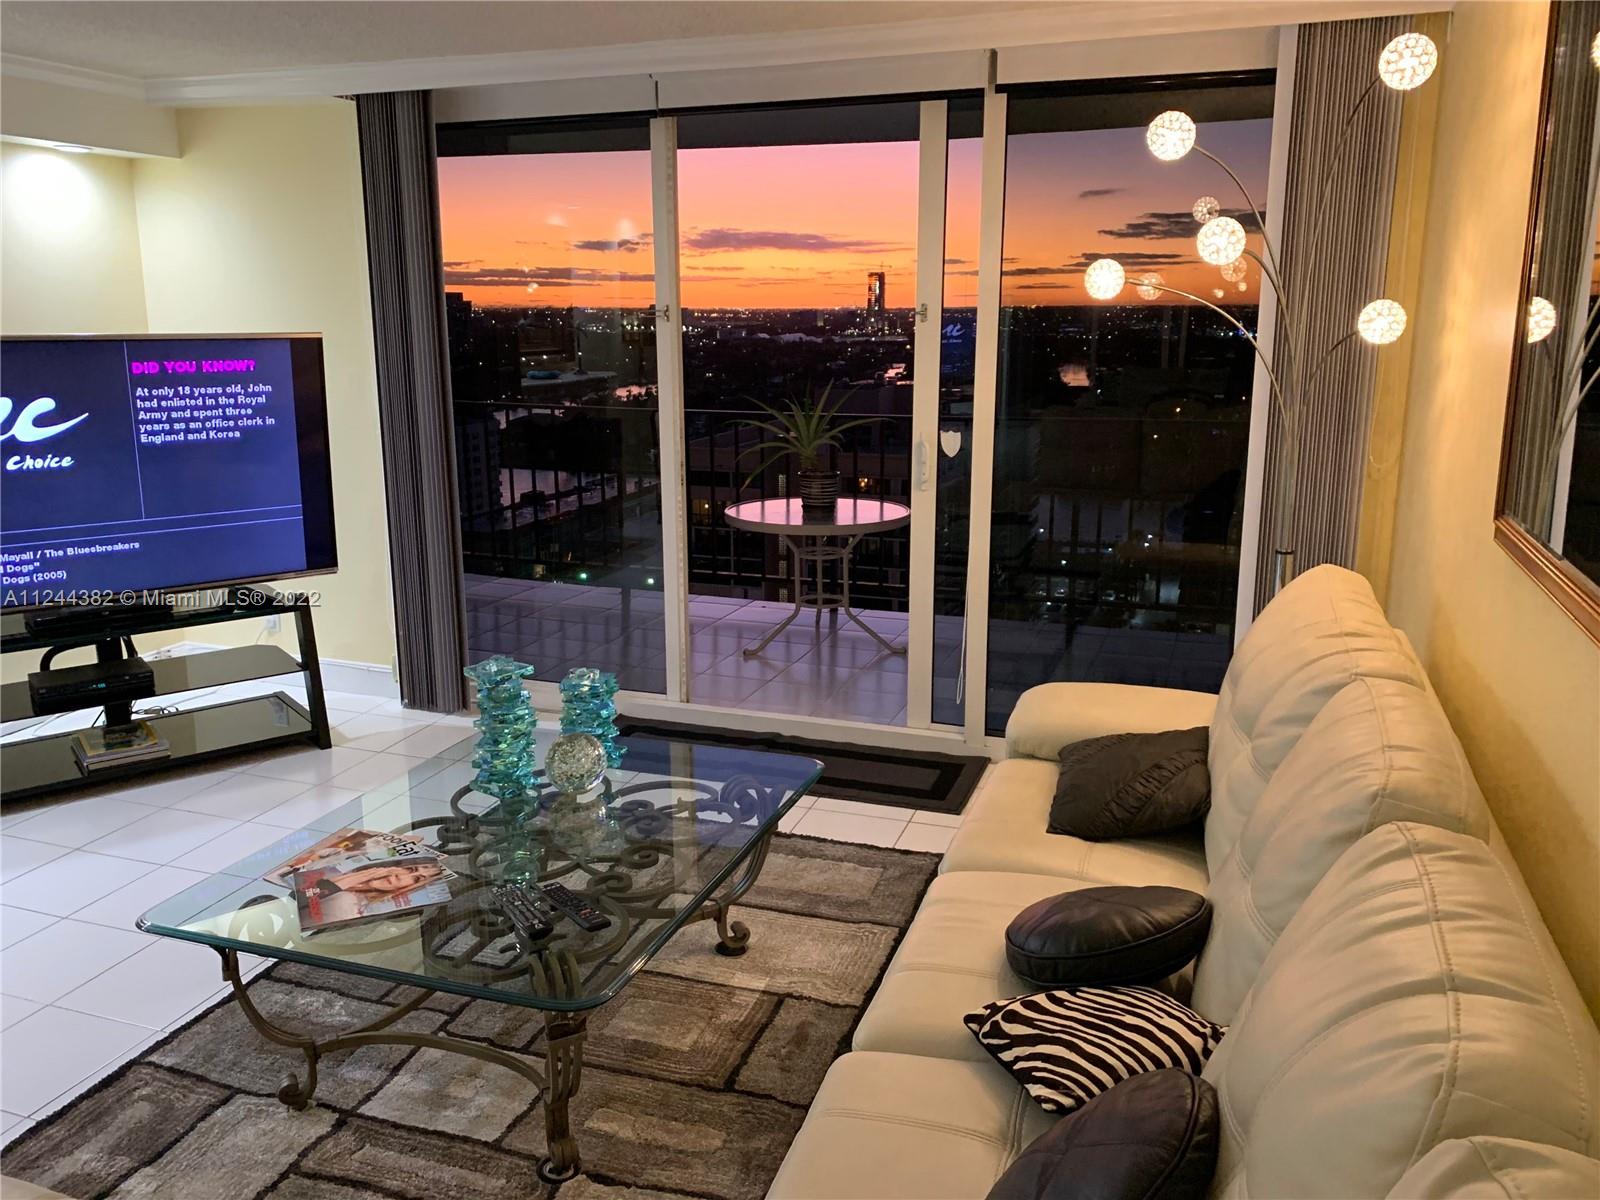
(819, 538)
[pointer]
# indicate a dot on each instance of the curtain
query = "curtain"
(1335, 243)
(414, 416)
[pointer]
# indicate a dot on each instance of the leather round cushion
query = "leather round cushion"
(1108, 935)
(1152, 1137)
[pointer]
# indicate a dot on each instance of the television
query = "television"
(132, 467)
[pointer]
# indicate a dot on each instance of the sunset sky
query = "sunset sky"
(800, 226)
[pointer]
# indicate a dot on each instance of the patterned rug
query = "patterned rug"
(695, 1079)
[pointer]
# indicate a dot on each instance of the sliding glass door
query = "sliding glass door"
(1058, 482)
(797, 245)
(550, 300)
(1121, 427)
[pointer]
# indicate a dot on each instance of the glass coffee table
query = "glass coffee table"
(677, 835)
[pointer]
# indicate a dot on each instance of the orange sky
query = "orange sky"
(801, 226)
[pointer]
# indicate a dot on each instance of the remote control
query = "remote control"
(584, 915)
(530, 923)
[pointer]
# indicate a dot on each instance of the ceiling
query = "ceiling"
(159, 39)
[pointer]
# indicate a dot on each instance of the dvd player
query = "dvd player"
(63, 689)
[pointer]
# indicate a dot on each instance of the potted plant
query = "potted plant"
(803, 430)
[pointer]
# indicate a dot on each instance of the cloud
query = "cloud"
(956, 262)
(1134, 258)
(626, 244)
(1169, 225)
(712, 240)
(468, 275)
(1091, 193)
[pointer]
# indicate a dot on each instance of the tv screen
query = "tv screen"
(158, 464)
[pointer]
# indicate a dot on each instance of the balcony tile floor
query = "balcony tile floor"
(826, 668)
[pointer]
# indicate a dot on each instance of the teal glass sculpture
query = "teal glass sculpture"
(506, 721)
(589, 705)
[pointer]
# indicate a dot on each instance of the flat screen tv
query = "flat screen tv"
(135, 465)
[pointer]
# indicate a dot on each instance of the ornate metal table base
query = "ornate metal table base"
(818, 549)
(564, 1032)
(557, 1084)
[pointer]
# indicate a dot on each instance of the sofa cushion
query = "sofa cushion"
(1152, 1137)
(1107, 935)
(903, 1127)
(1414, 998)
(1069, 1045)
(1486, 1168)
(951, 960)
(1003, 829)
(1126, 785)
(1052, 715)
(1380, 750)
(1324, 630)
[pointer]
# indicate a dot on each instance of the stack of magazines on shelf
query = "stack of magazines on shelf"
(356, 875)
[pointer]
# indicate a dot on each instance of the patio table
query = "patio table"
(818, 539)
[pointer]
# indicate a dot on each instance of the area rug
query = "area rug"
(904, 778)
(695, 1080)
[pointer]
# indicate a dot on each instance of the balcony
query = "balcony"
(827, 668)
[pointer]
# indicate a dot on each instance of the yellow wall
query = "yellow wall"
(257, 228)
(1519, 679)
(69, 243)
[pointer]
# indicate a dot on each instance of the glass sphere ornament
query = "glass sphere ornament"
(1408, 61)
(1381, 322)
(1170, 136)
(1541, 319)
(575, 762)
(1207, 208)
(1149, 285)
(1234, 272)
(1220, 241)
(1104, 278)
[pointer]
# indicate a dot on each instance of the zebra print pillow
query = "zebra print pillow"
(1067, 1046)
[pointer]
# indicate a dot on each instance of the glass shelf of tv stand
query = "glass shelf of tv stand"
(42, 765)
(15, 634)
(183, 673)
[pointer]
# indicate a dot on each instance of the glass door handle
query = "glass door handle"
(920, 475)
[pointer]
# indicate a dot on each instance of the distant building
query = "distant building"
(875, 292)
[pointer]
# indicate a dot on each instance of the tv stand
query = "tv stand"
(43, 765)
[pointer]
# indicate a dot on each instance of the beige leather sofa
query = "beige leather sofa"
(1400, 1022)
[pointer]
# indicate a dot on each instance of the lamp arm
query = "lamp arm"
(1327, 357)
(1318, 207)
(1288, 314)
(1261, 221)
(1277, 391)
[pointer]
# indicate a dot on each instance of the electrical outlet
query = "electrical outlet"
(273, 623)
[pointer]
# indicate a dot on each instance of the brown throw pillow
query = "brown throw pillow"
(1128, 785)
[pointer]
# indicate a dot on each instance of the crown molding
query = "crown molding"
(19, 66)
(1069, 21)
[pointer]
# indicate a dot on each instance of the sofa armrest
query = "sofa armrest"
(1053, 715)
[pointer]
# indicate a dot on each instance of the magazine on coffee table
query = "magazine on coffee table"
(351, 847)
(341, 893)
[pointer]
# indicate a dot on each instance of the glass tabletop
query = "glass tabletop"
(647, 847)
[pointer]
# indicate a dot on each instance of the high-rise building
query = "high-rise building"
(875, 291)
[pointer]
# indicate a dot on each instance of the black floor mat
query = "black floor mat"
(905, 778)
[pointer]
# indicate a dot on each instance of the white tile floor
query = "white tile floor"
(82, 991)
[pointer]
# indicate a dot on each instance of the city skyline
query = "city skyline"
(801, 227)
